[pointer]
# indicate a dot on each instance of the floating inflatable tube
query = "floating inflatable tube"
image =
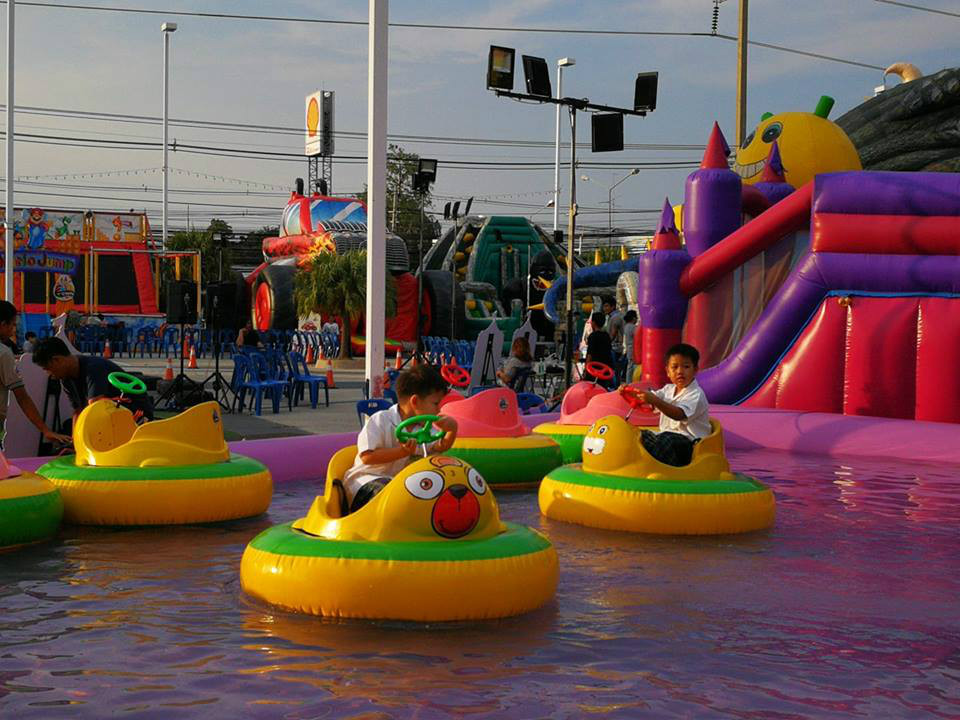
(92, 495)
(509, 574)
(663, 507)
(509, 462)
(30, 510)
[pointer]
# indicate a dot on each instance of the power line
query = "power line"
(279, 129)
(438, 26)
(919, 7)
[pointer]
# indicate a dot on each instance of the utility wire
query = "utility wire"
(438, 26)
(919, 7)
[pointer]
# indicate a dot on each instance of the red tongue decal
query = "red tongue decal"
(454, 517)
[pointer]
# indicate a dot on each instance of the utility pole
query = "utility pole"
(741, 125)
(8, 218)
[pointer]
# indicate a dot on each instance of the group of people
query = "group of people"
(82, 377)
(608, 339)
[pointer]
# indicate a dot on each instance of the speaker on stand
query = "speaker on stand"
(182, 311)
(220, 312)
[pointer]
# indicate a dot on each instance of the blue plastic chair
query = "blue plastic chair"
(171, 342)
(480, 388)
(390, 395)
(300, 375)
(254, 369)
(370, 407)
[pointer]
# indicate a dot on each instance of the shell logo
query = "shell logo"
(313, 117)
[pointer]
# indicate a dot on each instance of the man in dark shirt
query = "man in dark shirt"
(84, 377)
(599, 347)
(248, 337)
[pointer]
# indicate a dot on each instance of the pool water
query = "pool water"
(849, 606)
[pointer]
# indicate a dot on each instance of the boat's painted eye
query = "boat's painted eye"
(425, 485)
(477, 483)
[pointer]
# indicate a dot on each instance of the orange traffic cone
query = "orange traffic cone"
(186, 348)
(107, 352)
(320, 359)
(398, 362)
(168, 373)
(193, 358)
(330, 382)
(310, 357)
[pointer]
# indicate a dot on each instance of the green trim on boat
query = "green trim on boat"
(510, 465)
(30, 519)
(64, 468)
(575, 475)
(517, 540)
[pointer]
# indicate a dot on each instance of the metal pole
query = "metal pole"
(377, 44)
(741, 127)
(8, 218)
(166, 29)
(571, 231)
(610, 215)
(556, 153)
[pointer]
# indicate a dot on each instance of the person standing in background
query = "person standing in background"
(629, 329)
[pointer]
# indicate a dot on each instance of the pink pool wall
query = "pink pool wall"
(305, 457)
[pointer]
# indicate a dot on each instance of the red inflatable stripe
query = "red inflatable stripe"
(885, 234)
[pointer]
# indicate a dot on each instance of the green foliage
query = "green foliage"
(336, 285)
(204, 241)
(403, 204)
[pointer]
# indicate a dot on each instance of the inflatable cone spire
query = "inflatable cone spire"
(168, 373)
(107, 352)
(773, 167)
(667, 237)
(192, 364)
(717, 150)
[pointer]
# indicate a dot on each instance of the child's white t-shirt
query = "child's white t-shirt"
(693, 402)
(379, 432)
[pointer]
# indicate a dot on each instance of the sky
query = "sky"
(257, 72)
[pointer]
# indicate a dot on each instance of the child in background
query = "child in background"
(29, 341)
(684, 410)
(599, 347)
(520, 359)
(380, 455)
(629, 328)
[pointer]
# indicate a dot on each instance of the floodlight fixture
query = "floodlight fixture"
(645, 91)
(500, 68)
(537, 76)
(427, 170)
(607, 132)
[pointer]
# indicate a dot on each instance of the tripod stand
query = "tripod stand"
(172, 397)
(221, 388)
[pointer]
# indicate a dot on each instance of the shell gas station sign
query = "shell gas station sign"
(319, 123)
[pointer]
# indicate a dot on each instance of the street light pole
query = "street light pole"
(168, 28)
(8, 218)
(561, 64)
(571, 231)
(610, 202)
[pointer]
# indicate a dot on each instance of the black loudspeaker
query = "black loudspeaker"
(181, 302)
(221, 307)
(607, 132)
(645, 91)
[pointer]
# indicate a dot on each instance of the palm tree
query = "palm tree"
(336, 285)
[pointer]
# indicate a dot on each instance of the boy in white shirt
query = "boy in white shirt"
(684, 410)
(380, 455)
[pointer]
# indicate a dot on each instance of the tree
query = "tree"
(207, 244)
(403, 204)
(336, 286)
